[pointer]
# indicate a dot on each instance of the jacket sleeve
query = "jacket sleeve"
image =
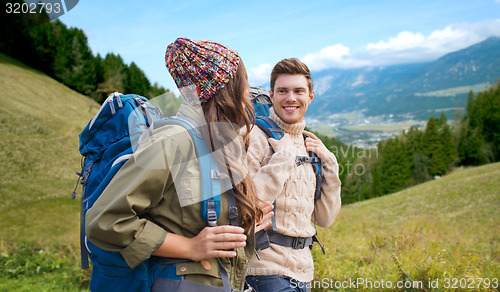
(268, 177)
(328, 206)
(114, 222)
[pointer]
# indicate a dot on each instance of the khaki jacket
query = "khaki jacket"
(142, 204)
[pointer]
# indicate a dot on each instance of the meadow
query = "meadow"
(443, 229)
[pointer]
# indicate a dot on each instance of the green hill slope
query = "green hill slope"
(446, 228)
(40, 120)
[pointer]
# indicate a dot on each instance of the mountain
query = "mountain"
(416, 89)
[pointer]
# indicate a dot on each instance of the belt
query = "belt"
(264, 237)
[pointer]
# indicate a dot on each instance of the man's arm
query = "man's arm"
(328, 206)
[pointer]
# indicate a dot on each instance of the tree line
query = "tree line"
(63, 53)
(416, 156)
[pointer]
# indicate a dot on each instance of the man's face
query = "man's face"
(291, 97)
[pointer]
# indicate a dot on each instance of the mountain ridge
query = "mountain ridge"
(387, 90)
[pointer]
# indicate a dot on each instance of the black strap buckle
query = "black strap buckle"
(298, 242)
(233, 212)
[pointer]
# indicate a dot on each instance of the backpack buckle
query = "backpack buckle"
(212, 218)
(211, 214)
(298, 243)
(232, 212)
(301, 159)
(215, 174)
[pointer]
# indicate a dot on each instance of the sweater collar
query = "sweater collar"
(292, 129)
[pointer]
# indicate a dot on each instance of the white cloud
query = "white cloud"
(326, 57)
(414, 47)
(404, 40)
(406, 47)
(259, 75)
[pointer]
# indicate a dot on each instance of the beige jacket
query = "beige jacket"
(277, 177)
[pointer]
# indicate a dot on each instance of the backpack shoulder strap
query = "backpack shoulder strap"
(211, 176)
(316, 164)
(269, 127)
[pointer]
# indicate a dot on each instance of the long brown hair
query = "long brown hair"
(226, 112)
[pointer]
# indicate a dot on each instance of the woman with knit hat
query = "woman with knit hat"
(151, 209)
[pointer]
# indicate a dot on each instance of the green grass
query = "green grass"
(40, 120)
(444, 228)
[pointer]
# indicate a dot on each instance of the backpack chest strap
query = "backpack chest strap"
(306, 159)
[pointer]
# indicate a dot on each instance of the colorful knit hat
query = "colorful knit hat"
(205, 64)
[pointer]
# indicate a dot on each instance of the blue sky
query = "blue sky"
(323, 34)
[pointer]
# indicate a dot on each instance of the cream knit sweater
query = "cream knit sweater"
(277, 177)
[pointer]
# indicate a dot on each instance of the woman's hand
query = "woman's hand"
(211, 242)
(267, 209)
(217, 242)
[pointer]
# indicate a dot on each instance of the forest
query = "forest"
(64, 54)
(416, 156)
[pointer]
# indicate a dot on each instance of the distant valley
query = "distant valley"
(364, 105)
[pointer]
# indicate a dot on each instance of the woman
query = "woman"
(151, 209)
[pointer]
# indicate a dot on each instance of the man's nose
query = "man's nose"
(290, 96)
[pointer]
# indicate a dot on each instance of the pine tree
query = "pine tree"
(136, 81)
(395, 166)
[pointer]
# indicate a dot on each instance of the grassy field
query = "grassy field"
(441, 229)
(39, 125)
(444, 229)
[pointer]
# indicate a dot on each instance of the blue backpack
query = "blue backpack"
(261, 101)
(106, 143)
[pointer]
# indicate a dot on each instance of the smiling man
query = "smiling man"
(281, 174)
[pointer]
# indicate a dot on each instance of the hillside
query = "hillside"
(40, 120)
(446, 228)
(417, 89)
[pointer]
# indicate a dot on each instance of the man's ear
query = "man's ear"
(271, 95)
(311, 96)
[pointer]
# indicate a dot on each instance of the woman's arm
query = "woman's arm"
(211, 242)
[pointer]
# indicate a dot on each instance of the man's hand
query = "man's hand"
(267, 210)
(284, 141)
(315, 145)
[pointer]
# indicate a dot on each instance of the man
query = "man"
(281, 176)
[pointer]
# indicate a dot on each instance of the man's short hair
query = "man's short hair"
(291, 66)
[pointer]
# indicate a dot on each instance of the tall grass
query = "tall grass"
(444, 229)
(39, 224)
